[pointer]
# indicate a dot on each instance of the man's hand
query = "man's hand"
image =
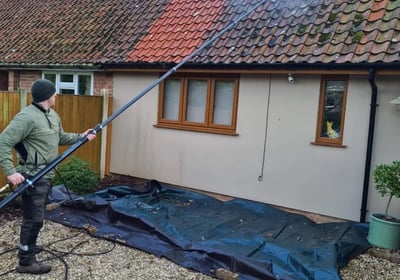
(16, 178)
(89, 134)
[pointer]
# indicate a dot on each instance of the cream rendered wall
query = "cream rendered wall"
(293, 173)
(387, 139)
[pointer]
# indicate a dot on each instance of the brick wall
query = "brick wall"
(21, 79)
(103, 80)
(26, 79)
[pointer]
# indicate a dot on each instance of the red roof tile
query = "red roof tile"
(377, 10)
(178, 32)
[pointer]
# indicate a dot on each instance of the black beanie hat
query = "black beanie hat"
(42, 90)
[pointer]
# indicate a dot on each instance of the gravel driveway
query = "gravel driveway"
(85, 257)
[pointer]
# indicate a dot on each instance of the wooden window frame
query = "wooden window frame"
(207, 126)
(326, 141)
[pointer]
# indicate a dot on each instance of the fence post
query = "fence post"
(103, 147)
(23, 98)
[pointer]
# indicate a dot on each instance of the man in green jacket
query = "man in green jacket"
(35, 132)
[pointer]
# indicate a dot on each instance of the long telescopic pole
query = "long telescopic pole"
(29, 182)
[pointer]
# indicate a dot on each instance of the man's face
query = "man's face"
(52, 100)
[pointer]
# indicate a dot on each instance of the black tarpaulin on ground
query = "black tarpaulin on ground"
(202, 233)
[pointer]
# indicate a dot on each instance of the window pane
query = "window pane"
(66, 78)
(4, 80)
(332, 115)
(84, 83)
(171, 99)
(223, 102)
(66, 91)
(50, 77)
(196, 103)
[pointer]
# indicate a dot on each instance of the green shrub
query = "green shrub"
(77, 176)
(387, 181)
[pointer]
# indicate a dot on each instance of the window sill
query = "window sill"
(335, 145)
(197, 129)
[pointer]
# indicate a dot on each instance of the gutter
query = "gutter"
(371, 129)
(49, 67)
(163, 66)
(394, 66)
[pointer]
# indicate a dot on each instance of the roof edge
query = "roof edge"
(75, 67)
(240, 68)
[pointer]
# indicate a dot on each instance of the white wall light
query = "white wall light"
(396, 102)
(290, 78)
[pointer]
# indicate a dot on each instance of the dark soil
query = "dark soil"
(10, 212)
(120, 180)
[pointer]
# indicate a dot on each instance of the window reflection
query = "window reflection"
(332, 111)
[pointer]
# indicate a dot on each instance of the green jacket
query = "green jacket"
(36, 134)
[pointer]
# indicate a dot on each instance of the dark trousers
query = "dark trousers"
(33, 206)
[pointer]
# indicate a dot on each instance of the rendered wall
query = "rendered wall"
(387, 139)
(294, 173)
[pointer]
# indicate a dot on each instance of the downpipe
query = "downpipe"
(30, 181)
(371, 129)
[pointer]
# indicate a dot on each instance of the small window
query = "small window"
(50, 77)
(196, 101)
(223, 103)
(67, 78)
(331, 112)
(66, 91)
(84, 84)
(171, 98)
(71, 82)
(207, 104)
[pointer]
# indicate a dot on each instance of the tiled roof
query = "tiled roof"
(178, 31)
(127, 32)
(73, 32)
(311, 31)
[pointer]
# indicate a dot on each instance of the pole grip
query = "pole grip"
(29, 182)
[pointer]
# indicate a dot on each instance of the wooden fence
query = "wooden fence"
(77, 114)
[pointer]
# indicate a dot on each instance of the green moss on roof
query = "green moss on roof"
(255, 33)
(332, 17)
(301, 29)
(358, 19)
(324, 37)
(357, 37)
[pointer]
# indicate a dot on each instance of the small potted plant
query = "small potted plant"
(384, 229)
